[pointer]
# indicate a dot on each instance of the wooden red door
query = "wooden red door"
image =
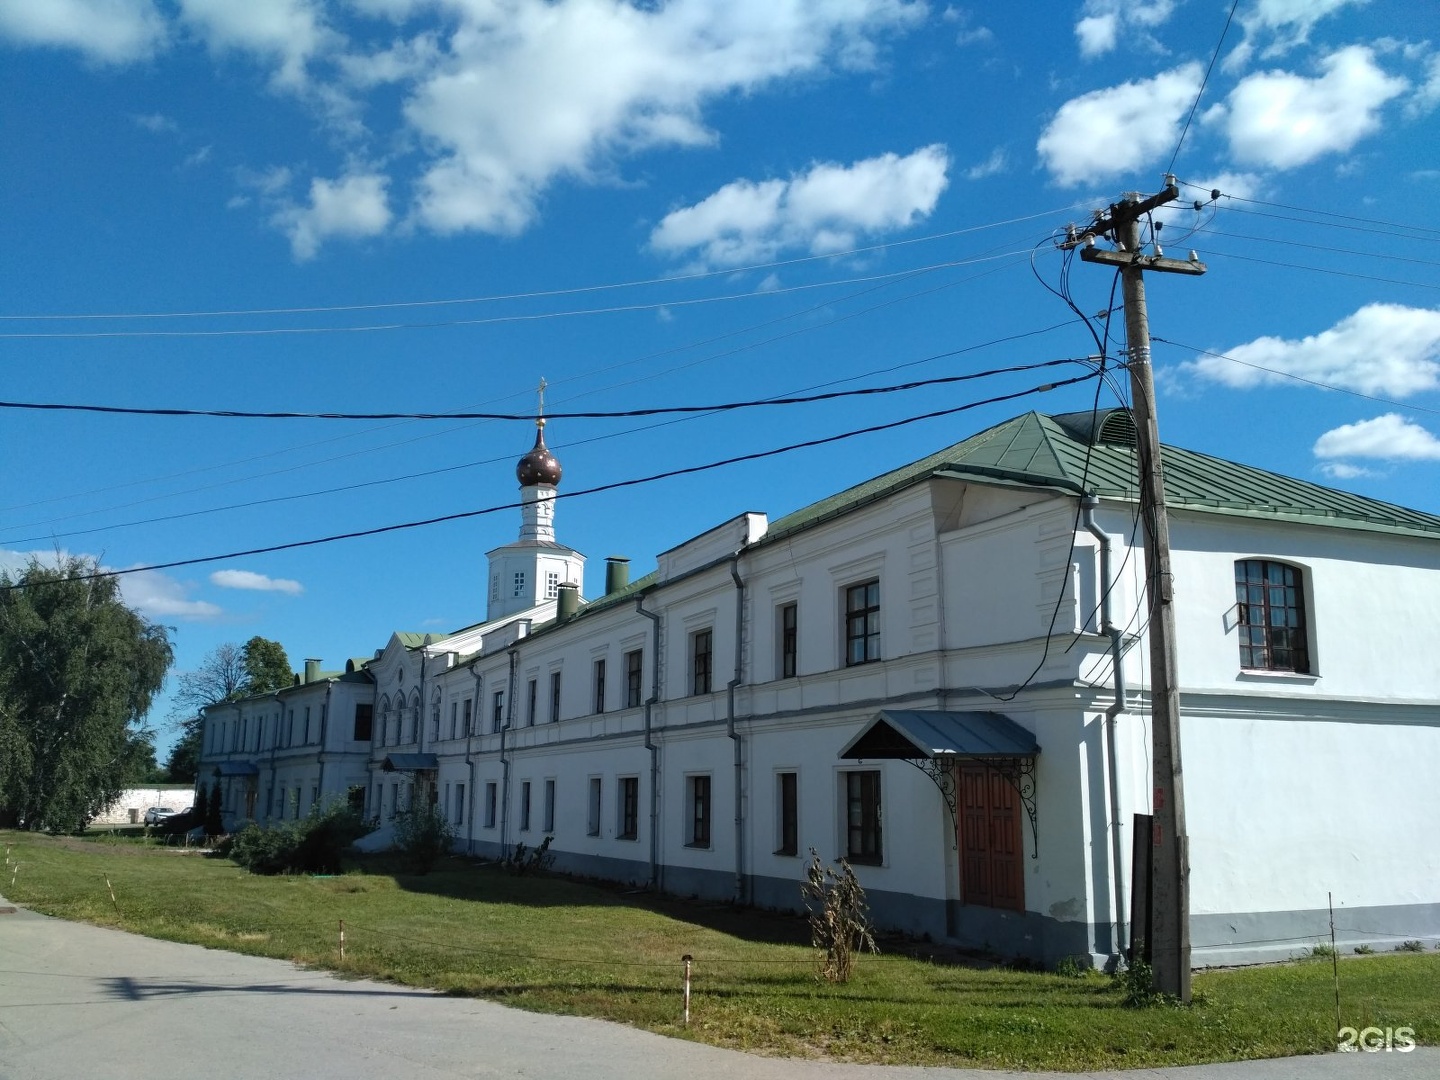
(990, 847)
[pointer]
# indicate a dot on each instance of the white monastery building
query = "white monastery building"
(940, 675)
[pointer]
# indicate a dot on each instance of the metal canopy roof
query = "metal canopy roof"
(910, 734)
(410, 762)
(236, 768)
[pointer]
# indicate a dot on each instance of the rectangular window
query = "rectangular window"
(533, 693)
(518, 588)
(459, 804)
(634, 675)
(467, 717)
(697, 798)
(552, 584)
(1270, 598)
(525, 806)
(862, 623)
(554, 697)
(789, 639)
(307, 725)
(700, 661)
(490, 796)
(364, 721)
(599, 686)
(592, 823)
(549, 812)
(289, 726)
(862, 817)
(787, 813)
(628, 819)
(497, 713)
(454, 719)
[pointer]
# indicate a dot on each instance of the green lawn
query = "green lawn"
(554, 945)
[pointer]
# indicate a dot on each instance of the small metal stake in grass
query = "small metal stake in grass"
(687, 958)
(112, 894)
(342, 939)
(12, 875)
(1334, 960)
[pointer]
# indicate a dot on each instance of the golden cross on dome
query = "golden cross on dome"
(540, 415)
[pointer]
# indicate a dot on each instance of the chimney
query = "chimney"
(617, 573)
(569, 601)
(312, 670)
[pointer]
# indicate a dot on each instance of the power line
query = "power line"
(1319, 247)
(1296, 378)
(1320, 269)
(455, 468)
(1309, 210)
(613, 486)
(1200, 93)
(729, 406)
(535, 295)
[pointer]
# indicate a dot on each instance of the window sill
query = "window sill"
(786, 853)
(628, 836)
(1260, 675)
(698, 847)
(865, 860)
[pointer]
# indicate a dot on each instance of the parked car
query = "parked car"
(156, 814)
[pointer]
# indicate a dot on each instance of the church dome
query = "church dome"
(539, 466)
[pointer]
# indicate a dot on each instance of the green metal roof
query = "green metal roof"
(1036, 450)
(409, 640)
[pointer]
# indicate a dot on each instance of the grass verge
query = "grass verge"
(559, 946)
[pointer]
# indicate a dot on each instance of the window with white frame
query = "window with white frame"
(525, 806)
(697, 806)
(459, 804)
(787, 813)
(549, 811)
(518, 584)
(491, 797)
(862, 816)
(497, 711)
(634, 676)
(1270, 603)
(702, 659)
(627, 817)
(600, 685)
(552, 584)
(862, 623)
(555, 697)
(592, 823)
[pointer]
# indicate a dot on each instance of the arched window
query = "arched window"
(384, 721)
(414, 716)
(1270, 599)
(435, 717)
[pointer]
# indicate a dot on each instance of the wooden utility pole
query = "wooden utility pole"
(1170, 946)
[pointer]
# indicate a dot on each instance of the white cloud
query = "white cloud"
(109, 31)
(966, 33)
(827, 209)
(1381, 349)
(1342, 470)
(527, 91)
(285, 32)
(1283, 120)
(1389, 438)
(354, 206)
(199, 157)
(159, 596)
(1118, 130)
(1277, 26)
(997, 162)
(248, 579)
(1098, 30)
(156, 122)
(153, 594)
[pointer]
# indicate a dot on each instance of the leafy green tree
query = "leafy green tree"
(267, 668)
(137, 760)
(230, 672)
(78, 671)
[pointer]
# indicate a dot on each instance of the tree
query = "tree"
(267, 668)
(78, 671)
(229, 673)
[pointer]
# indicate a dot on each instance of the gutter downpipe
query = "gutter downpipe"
(514, 654)
(650, 744)
(324, 725)
(470, 764)
(735, 737)
(1088, 505)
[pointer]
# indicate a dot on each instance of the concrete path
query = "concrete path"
(81, 1003)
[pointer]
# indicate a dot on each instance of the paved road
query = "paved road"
(78, 1002)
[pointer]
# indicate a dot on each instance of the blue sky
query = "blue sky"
(428, 205)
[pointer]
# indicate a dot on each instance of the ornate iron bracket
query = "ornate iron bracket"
(941, 772)
(1019, 773)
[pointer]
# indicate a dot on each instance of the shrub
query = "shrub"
(1319, 951)
(526, 860)
(312, 846)
(1410, 946)
(1138, 981)
(422, 835)
(839, 917)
